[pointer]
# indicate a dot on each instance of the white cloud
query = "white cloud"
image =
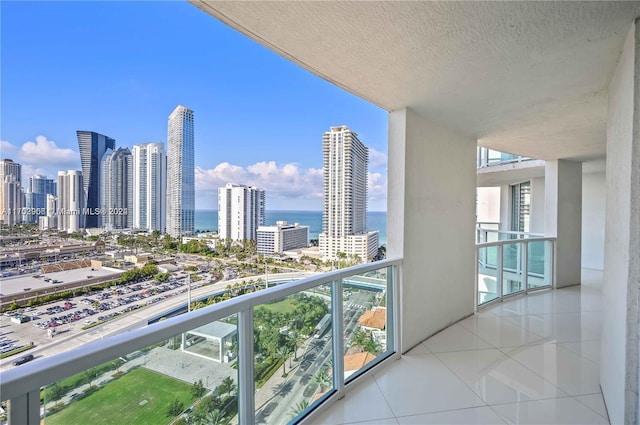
(287, 181)
(41, 157)
(44, 151)
(377, 159)
(377, 187)
(7, 149)
(284, 184)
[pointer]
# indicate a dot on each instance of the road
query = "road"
(74, 336)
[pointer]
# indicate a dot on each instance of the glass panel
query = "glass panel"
(366, 320)
(293, 354)
(511, 268)
(539, 264)
(189, 378)
(487, 274)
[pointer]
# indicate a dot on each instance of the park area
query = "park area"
(138, 397)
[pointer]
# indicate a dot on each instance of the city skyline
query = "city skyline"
(261, 116)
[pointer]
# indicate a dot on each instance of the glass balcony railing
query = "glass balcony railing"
(508, 267)
(484, 234)
(488, 157)
(269, 357)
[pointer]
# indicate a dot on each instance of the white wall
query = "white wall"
(488, 205)
(431, 220)
(619, 366)
(563, 218)
(536, 225)
(594, 192)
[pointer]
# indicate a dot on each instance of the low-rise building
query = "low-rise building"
(282, 237)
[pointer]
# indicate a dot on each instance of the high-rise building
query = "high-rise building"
(344, 216)
(50, 220)
(36, 191)
(180, 173)
(240, 211)
(70, 200)
(282, 237)
(11, 173)
(116, 190)
(92, 148)
(149, 186)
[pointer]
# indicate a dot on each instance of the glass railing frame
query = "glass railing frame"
(523, 260)
(482, 234)
(21, 386)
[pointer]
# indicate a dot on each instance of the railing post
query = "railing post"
(393, 312)
(25, 409)
(499, 271)
(525, 265)
(338, 341)
(246, 377)
(476, 296)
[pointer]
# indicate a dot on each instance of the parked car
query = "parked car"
(23, 359)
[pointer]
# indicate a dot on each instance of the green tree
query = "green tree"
(198, 389)
(322, 379)
(227, 386)
(283, 353)
(175, 408)
(299, 408)
(56, 392)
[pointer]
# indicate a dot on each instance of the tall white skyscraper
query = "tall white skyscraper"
(149, 187)
(71, 207)
(180, 173)
(240, 211)
(116, 190)
(11, 193)
(344, 216)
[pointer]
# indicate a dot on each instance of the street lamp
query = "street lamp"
(266, 274)
(189, 292)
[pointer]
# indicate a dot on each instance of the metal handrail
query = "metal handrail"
(509, 241)
(21, 381)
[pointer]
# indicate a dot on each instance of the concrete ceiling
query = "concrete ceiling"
(528, 78)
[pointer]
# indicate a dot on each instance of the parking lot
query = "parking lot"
(72, 315)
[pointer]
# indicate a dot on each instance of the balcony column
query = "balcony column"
(563, 218)
(620, 328)
(431, 223)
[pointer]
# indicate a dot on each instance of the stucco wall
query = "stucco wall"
(431, 219)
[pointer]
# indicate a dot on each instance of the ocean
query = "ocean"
(207, 220)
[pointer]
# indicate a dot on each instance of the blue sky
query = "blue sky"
(120, 68)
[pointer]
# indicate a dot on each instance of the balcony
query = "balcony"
(529, 360)
(270, 356)
(225, 352)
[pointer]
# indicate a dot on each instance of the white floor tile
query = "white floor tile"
(497, 378)
(423, 384)
(563, 368)
(567, 327)
(595, 402)
(553, 411)
(589, 350)
(474, 415)
(418, 350)
(455, 338)
(505, 331)
(364, 403)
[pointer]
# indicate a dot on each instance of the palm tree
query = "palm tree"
(359, 339)
(299, 408)
(322, 379)
(282, 354)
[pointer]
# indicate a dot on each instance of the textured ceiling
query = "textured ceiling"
(523, 77)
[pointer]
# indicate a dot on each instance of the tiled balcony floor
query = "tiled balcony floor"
(533, 359)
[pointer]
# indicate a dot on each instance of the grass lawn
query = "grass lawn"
(118, 402)
(285, 306)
